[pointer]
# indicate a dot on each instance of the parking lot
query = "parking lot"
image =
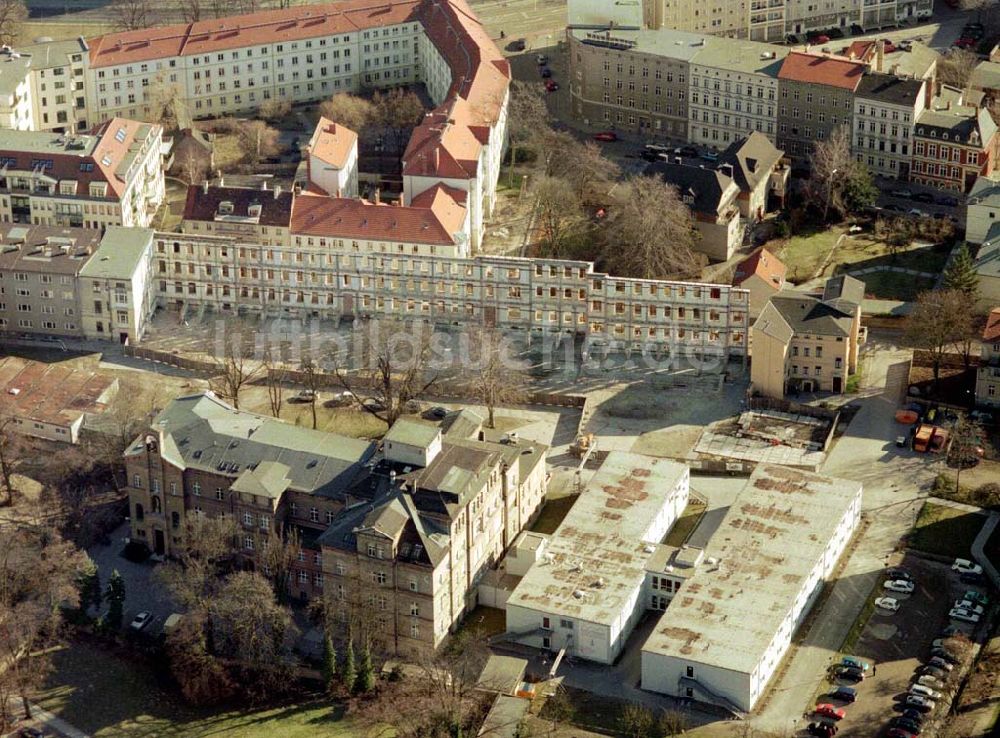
(897, 644)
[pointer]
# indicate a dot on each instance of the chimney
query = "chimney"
(204, 187)
(222, 180)
(879, 54)
(378, 196)
(678, 160)
(263, 185)
(277, 191)
(437, 159)
(339, 192)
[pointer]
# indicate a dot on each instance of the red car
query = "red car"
(827, 710)
(821, 39)
(606, 136)
(551, 85)
(965, 43)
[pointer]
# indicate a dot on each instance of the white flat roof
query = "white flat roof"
(597, 556)
(773, 535)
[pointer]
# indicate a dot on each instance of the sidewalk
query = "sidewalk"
(48, 721)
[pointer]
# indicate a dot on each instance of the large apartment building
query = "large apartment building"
(16, 103)
(758, 20)
(533, 295)
(397, 533)
(988, 373)
(885, 110)
(75, 282)
(111, 177)
(308, 53)
(954, 143)
(58, 85)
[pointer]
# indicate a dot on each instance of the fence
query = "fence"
(795, 408)
(205, 368)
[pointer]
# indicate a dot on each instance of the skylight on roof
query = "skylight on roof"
(120, 135)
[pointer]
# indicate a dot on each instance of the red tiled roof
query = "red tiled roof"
(762, 263)
(434, 221)
(992, 330)
(822, 70)
(251, 29)
(859, 49)
(332, 142)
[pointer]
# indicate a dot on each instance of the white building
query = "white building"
(58, 81)
(333, 159)
(885, 111)
(982, 209)
(588, 591)
(729, 624)
(116, 295)
(16, 103)
(112, 177)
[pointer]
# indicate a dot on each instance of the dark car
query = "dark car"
(517, 45)
(437, 413)
(823, 730)
(898, 572)
(32, 733)
(906, 724)
(686, 151)
(648, 155)
(944, 653)
(948, 201)
(793, 39)
(857, 30)
(851, 674)
(845, 694)
(970, 578)
(922, 197)
(897, 732)
(546, 72)
(913, 716)
(932, 671)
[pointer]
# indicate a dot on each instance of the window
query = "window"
(690, 672)
(220, 495)
(566, 624)
(248, 543)
(415, 609)
(314, 514)
(546, 623)
(248, 518)
(139, 514)
(378, 577)
(137, 481)
(303, 577)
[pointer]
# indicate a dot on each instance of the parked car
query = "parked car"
(969, 605)
(542, 59)
(899, 572)
(902, 194)
(845, 694)
(933, 671)
(926, 197)
(924, 691)
(339, 399)
(606, 136)
(546, 72)
(920, 702)
(551, 85)
(855, 663)
(963, 615)
(964, 566)
(823, 730)
(437, 413)
(518, 45)
(972, 578)
(821, 39)
(710, 156)
(850, 674)
(940, 663)
(373, 405)
(944, 653)
(950, 631)
(980, 598)
(917, 213)
(907, 724)
(686, 151)
(32, 733)
(887, 603)
(827, 710)
(915, 715)
(948, 201)
(141, 620)
(928, 681)
(303, 396)
(898, 585)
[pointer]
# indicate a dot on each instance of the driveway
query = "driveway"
(143, 591)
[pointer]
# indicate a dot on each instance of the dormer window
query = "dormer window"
(225, 208)
(254, 210)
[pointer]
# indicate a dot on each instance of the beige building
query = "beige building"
(982, 210)
(116, 296)
(58, 85)
(988, 374)
(807, 344)
(885, 111)
(111, 177)
(763, 275)
(398, 537)
(17, 105)
(760, 171)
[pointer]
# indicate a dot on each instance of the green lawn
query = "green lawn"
(895, 285)
(803, 254)
(553, 513)
(108, 696)
(945, 531)
(685, 524)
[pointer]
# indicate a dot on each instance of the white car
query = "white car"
(898, 585)
(887, 603)
(141, 620)
(924, 691)
(920, 701)
(928, 681)
(960, 614)
(964, 566)
(968, 605)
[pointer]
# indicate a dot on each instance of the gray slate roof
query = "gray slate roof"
(752, 159)
(805, 314)
(699, 188)
(889, 89)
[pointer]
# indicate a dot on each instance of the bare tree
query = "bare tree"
(348, 110)
(394, 368)
(13, 447)
(829, 164)
(649, 233)
(527, 120)
(559, 218)
(38, 574)
(397, 111)
(258, 142)
(276, 550)
(583, 165)
(275, 375)
(13, 14)
(166, 102)
(191, 10)
(495, 374)
(194, 167)
(938, 320)
(130, 15)
(967, 439)
(236, 366)
(274, 109)
(207, 550)
(955, 68)
(312, 379)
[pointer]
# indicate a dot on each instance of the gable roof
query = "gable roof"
(805, 314)
(752, 158)
(765, 265)
(959, 122)
(332, 143)
(890, 89)
(203, 202)
(701, 189)
(772, 323)
(822, 70)
(845, 288)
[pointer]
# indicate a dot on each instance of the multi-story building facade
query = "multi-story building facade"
(75, 282)
(306, 54)
(988, 374)
(809, 344)
(111, 177)
(436, 508)
(634, 80)
(734, 91)
(953, 143)
(58, 85)
(885, 111)
(817, 96)
(538, 296)
(17, 105)
(332, 159)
